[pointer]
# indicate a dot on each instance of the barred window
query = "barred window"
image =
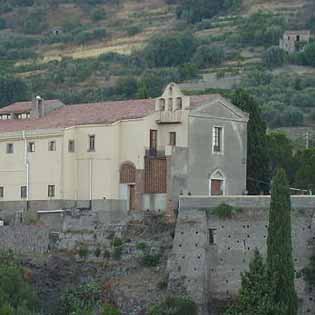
(51, 191)
(23, 192)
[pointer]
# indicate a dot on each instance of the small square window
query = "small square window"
(172, 138)
(71, 146)
(31, 147)
(91, 143)
(10, 148)
(1, 191)
(52, 146)
(23, 192)
(51, 191)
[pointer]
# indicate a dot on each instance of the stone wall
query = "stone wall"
(194, 258)
(25, 239)
(8, 209)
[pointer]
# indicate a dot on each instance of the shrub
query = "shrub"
(117, 242)
(3, 23)
(224, 211)
(309, 54)
(274, 57)
(117, 253)
(108, 309)
(175, 306)
(83, 251)
(34, 23)
(80, 300)
(151, 260)
(98, 14)
(169, 50)
(98, 252)
(141, 246)
(206, 56)
(133, 30)
(16, 294)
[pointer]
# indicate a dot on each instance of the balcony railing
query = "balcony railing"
(169, 117)
(154, 153)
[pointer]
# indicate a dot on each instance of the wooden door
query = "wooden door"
(132, 197)
(216, 187)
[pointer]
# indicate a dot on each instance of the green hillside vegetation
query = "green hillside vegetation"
(89, 51)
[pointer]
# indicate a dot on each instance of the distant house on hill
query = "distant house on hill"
(144, 152)
(293, 41)
(56, 31)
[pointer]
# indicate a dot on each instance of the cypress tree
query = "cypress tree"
(258, 174)
(280, 267)
(254, 297)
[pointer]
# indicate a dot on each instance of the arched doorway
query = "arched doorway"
(128, 184)
(217, 183)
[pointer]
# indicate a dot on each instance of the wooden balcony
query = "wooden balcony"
(169, 117)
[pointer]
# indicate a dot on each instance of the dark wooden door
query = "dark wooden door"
(132, 197)
(216, 187)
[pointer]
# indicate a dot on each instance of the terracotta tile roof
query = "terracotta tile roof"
(95, 113)
(83, 114)
(21, 107)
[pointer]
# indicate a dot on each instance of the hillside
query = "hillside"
(81, 51)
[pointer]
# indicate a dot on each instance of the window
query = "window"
(23, 192)
(51, 191)
(10, 148)
(217, 145)
(179, 103)
(162, 104)
(52, 146)
(173, 138)
(92, 143)
(31, 147)
(71, 147)
(212, 236)
(1, 191)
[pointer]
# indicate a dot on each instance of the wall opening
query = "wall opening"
(212, 236)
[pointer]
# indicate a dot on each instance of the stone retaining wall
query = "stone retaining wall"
(218, 250)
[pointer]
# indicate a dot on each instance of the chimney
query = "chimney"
(38, 109)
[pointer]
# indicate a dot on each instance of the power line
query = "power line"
(269, 184)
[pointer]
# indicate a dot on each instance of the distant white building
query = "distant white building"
(293, 41)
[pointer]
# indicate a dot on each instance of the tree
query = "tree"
(258, 175)
(12, 90)
(169, 50)
(16, 294)
(254, 297)
(194, 11)
(305, 174)
(280, 267)
(280, 151)
(206, 56)
(309, 55)
(274, 57)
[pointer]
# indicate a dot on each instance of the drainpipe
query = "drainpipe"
(27, 166)
(91, 183)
